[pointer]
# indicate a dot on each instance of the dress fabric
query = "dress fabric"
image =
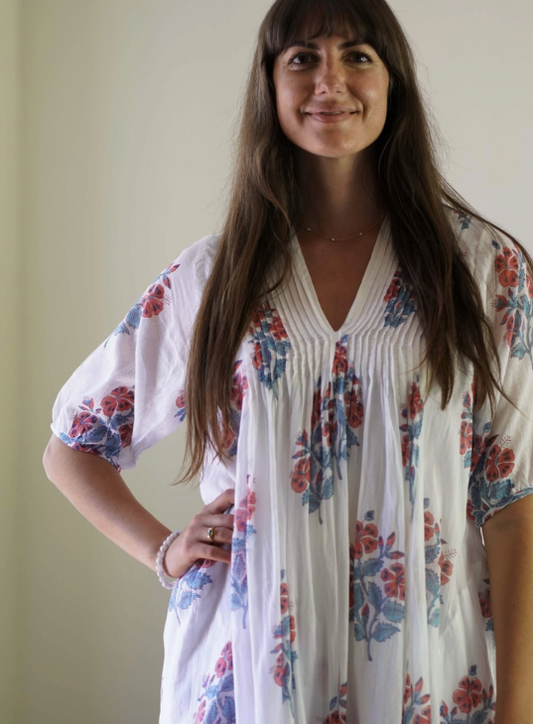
(358, 589)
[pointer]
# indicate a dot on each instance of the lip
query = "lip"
(321, 118)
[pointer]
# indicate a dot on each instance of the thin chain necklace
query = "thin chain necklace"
(361, 233)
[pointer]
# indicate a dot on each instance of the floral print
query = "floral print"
(413, 413)
(491, 486)
(400, 300)
(285, 651)
(384, 599)
(470, 699)
(182, 406)
(337, 707)
(466, 431)
(359, 501)
(217, 701)
(510, 266)
(242, 531)
(336, 416)
(185, 589)
(150, 304)
(271, 345)
(415, 704)
(104, 430)
(238, 389)
(437, 576)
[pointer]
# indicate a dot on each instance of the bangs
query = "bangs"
(303, 20)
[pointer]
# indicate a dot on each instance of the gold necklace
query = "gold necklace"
(361, 233)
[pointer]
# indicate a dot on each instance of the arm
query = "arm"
(508, 539)
(99, 493)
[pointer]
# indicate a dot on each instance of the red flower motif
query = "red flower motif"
(257, 358)
(119, 399)
(408, 689)
(415, 401)
(510, 329)
(220, 667)
(365, 538)
(200, 714)
(152, 301)
(293, 628)
(394, 288)
(446, 569)
(317, 405)
(468, 695)
(125, 432)
(240, 385)
(507, 266)
(405, 449)
(485, 603)
(280, 673)
(241, 519)
(340, 363)
(394, 577)
(277, 330)
(180, 400)
(429, 525)
(82, 423)
(250, 502)
(301, 475)
(499, 463)
(354, 408)
(284, 598)
(465, 436)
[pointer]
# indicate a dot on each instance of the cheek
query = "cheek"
(376, 100)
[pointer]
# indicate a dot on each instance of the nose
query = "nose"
(329, 76)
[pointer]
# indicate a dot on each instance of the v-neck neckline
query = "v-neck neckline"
(361, 298)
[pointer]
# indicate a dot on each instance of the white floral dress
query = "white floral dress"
(358, 589)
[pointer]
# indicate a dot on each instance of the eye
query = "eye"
(363, 58)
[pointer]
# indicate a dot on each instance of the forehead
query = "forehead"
(305, 29)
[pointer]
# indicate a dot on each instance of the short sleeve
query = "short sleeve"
(502, 445)
(129, 392)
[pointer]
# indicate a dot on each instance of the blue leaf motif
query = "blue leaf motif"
(393, 611)
(186, 599)
(374, 595)
(384, 631)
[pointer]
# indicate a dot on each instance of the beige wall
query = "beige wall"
(11, 317)
(127, 109)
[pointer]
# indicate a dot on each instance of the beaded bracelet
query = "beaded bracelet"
(166, 581)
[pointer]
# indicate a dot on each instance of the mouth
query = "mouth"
(323, 117)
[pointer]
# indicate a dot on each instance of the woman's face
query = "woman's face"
(325, 77)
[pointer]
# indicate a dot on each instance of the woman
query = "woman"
(353, 353)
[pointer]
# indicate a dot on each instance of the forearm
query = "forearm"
(99, 493)
(510, 559)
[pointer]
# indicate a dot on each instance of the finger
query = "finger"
(214, 553)
(222, 502)
(219, 521)
(220, 534)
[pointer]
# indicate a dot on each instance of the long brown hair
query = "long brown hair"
(264, 202)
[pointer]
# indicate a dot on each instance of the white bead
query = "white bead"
(166, 581)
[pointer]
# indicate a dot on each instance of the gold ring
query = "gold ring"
(211, 533)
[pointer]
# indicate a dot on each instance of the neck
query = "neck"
(339, 195)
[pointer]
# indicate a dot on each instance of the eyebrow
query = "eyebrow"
(341, 46)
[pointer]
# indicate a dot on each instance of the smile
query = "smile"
(333, 118)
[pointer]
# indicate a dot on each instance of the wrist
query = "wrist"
(160, 568)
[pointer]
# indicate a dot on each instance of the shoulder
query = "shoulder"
(196, 260)
(484, 248)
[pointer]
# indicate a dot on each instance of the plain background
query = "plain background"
(116, 121)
